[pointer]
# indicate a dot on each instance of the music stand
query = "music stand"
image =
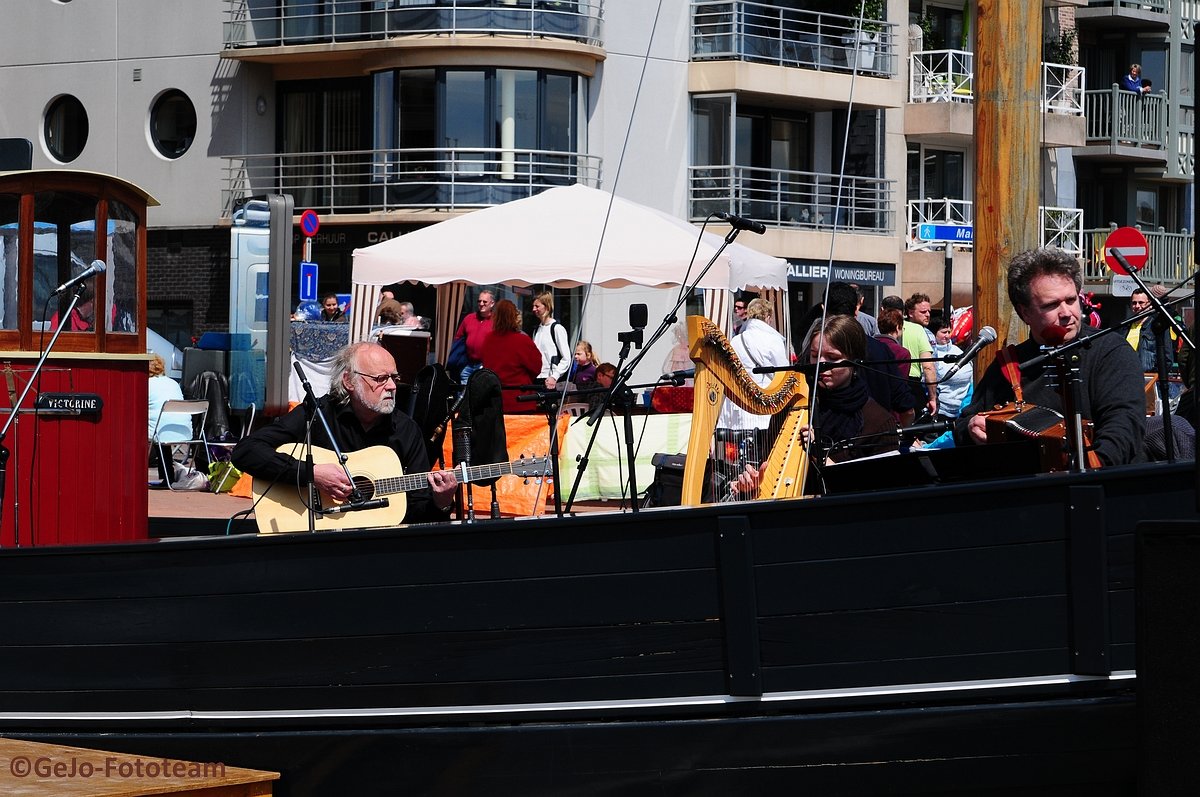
(922, 467)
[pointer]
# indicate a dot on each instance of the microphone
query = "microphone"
(303, 379)
(97, 267)
(986, 335)
(740, 223)
(678, 377)
(372, 503)
(918, 429)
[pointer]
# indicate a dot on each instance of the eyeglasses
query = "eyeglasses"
(379, 379)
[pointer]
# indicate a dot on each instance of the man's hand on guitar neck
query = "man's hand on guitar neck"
(443, 483)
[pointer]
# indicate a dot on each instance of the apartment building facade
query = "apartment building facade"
(844, 139)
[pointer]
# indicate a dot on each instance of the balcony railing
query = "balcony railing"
(378, 181)
(1172, 256)
(338, 21)
(806, 200)
(1160, 6)
(948, 76)
(1125, 118)
(1060, 227)
(732, 29)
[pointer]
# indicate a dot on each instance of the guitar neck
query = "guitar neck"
(415, 481)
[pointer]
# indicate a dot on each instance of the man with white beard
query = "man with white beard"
(360, 411)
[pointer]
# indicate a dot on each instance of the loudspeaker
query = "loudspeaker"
(667, 487)
(1168, 657)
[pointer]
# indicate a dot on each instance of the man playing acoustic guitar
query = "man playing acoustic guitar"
(360, 408)
(1044, 285)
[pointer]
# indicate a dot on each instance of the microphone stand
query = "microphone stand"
(549, 401)
(12, 416)
(1162, 319)
(313, 409)
(624, 374)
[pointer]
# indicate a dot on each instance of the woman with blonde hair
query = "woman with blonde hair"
(552, 342)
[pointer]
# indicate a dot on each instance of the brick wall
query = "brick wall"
(191, 267)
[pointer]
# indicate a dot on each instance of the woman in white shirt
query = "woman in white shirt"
(551, 340)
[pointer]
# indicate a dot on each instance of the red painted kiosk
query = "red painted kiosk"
(76, 470)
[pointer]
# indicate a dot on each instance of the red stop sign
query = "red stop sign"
(1132, 245)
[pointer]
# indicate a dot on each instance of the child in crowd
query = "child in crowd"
(583, 369)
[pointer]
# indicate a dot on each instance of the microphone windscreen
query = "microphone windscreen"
(639, 315)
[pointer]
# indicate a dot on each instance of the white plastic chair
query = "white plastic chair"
(175, 431)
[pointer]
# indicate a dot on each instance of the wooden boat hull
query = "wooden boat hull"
(907, 637)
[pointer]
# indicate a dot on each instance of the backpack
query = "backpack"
(556, 359)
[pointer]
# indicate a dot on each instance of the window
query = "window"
(9, 260)
(173, 124)
(63, 246)
(66, 128)
(121, 310)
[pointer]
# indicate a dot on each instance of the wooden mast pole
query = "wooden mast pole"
(1008, 98)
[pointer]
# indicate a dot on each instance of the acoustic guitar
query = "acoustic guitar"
(377, 473)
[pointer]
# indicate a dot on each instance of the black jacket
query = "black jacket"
(1112, 395)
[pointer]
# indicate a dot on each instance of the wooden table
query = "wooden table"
(29, 769)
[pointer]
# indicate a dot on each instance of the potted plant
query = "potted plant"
(867, 37)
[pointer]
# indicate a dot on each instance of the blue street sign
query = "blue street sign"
(957, 233)
(308, 282)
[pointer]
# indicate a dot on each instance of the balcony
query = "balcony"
(1132, 15)
(1125, 125)
(1172, 256)
(385, 181)
(1060, 227)
(332, 22)
(795, 200)
(790, 37)
(941, 85)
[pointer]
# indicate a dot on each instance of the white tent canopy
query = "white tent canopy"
(554, 238)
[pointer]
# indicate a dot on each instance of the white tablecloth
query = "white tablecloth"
(607, 476)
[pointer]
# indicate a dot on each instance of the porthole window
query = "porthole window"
(66, 130)
(173, 124)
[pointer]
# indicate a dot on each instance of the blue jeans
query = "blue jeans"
(467, 371)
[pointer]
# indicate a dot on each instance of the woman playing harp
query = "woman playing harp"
(846, 422)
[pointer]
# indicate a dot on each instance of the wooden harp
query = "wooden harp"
(721, 375)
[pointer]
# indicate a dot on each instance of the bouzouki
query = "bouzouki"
(377, 473)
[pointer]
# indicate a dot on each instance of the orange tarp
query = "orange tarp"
(527, 435)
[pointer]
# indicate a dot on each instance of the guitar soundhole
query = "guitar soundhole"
(365, 486)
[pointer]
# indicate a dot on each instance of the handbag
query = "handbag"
(457, 359)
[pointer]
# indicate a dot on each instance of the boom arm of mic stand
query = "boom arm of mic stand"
(623, 375)
(1178, 327)
(16, 407)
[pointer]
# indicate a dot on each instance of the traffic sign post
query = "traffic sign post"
(309, 223)
(308, 281)
(1130, 244)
